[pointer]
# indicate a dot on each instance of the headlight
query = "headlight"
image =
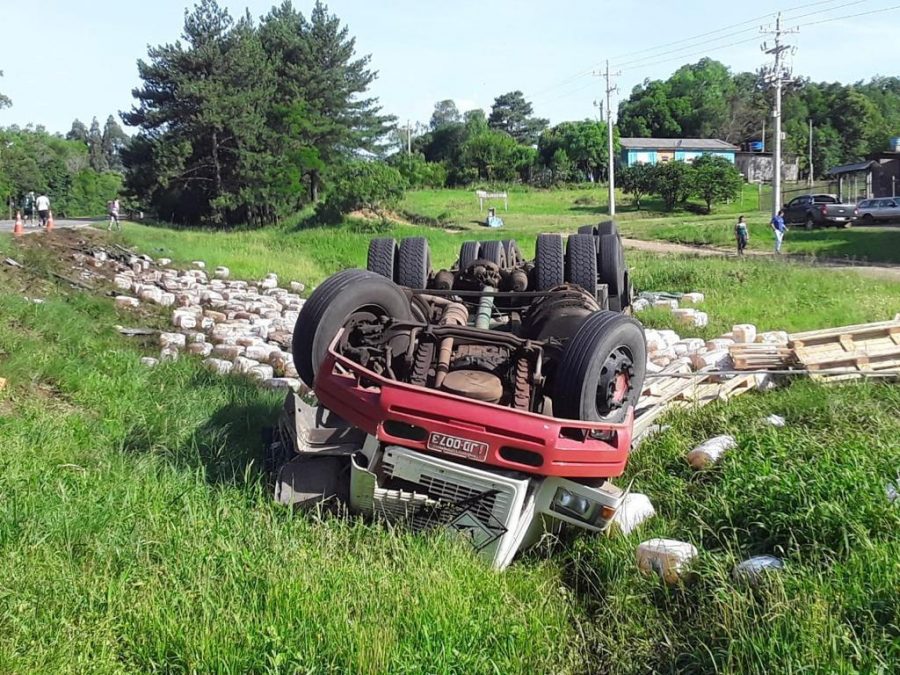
(575, 506)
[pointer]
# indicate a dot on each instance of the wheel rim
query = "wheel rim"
(615, 385)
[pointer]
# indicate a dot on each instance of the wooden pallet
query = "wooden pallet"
(761, 356)
(863, 347)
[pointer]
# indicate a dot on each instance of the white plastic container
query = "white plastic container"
(744, 332)
(669, 558)
(693, 298)
(709, 452)
(634, 510)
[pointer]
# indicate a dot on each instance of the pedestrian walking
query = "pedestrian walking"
(779, 228)
(112, 207)
(741, 234)
(28, 208)
(43, 208)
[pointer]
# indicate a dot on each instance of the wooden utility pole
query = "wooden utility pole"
(811, 178)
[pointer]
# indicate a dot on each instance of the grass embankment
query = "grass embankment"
(564, 210)
(137, 535)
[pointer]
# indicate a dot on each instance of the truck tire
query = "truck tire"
(468, 253)
(514, 257)
(602, 369)
(549, 261)
(331, 304)
(382, 258)
(495, 252)
(612, 264)
(413, 263)
(607, 227)
(581, 262)
(587, 229)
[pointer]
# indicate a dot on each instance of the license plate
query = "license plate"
(840, 218)
(458, 447)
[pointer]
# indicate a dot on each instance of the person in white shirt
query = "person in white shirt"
(113, 208)
(43, 208)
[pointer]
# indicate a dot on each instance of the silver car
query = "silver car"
(872, 211)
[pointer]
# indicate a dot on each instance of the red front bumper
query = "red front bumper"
(407, 415)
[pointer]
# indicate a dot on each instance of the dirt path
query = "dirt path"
(884, 271)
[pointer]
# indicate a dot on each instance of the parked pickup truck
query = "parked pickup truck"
(819, 211)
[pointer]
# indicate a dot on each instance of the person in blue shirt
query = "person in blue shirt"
(779, 228)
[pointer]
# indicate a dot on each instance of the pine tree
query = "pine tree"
(112, 142)
(95, 148)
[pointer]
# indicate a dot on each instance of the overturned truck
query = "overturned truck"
(495, 398)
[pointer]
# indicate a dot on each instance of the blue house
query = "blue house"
(661, 150)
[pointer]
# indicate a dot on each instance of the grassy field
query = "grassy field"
(560, 211)
(137, 533)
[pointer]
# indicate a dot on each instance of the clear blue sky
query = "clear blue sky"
(65, 59)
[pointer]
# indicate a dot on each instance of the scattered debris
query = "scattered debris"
(634, 510)
(149, 361)
(669, 558)
(753, 569)
(775, 421)
(709, 452)
(2, 383)
(13, 263)
(892, 489)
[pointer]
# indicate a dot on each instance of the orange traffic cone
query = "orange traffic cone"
(18, 230)
(50, 221)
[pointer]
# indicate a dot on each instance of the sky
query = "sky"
(78, 59)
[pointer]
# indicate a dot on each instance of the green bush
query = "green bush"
(418, 172)
(361, 185)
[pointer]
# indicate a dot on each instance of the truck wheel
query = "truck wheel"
(607, 227)
(468, 253)
(549, 261)
(587, 229)
(581, 262)
(612, 267)
(810, 223)
(382, 258)
(602, 369)
(495, 252)
(334, 301)
(514, 257)
(413, 262)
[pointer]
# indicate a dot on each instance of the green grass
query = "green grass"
(137, 533)
(534, 211)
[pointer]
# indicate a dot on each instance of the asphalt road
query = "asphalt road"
(7, 225)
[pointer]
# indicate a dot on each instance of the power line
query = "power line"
(852, 16)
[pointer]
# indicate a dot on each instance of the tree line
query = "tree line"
(706, 100)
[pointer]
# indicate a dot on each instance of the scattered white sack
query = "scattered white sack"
(773, 337)
(654, 340)
(634, 510)
(688, 346)
(666, 304)
(719, 343)
(123, 282)
(693, 298)
(719, 359)
(701, 320)
(753, 569)
(149, 361)
(744, 332)
(262, 372)
(282, 383)
(227, 352)
(640, 305)
(167, 299)
(765, 382)
(222, 272)
(195, 336)
(775, 421)
(892, 491)
(297, 287)
(218, 366)
(669, 558)
(243, 365)
(169, 353)
(150, 294)
(670, 336)
(126, 302)
(178, 340)
(269, 282)
(199, 264)
(684, 315)
(710, 451)
(653, 367)
(163, 261)
(200, 348)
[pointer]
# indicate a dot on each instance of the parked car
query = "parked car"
(819, 211)
(878, 210)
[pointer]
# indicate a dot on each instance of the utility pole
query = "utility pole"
(764, 135)
(810, 154)
(777, 76)
(610, 89)
(408, 139)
